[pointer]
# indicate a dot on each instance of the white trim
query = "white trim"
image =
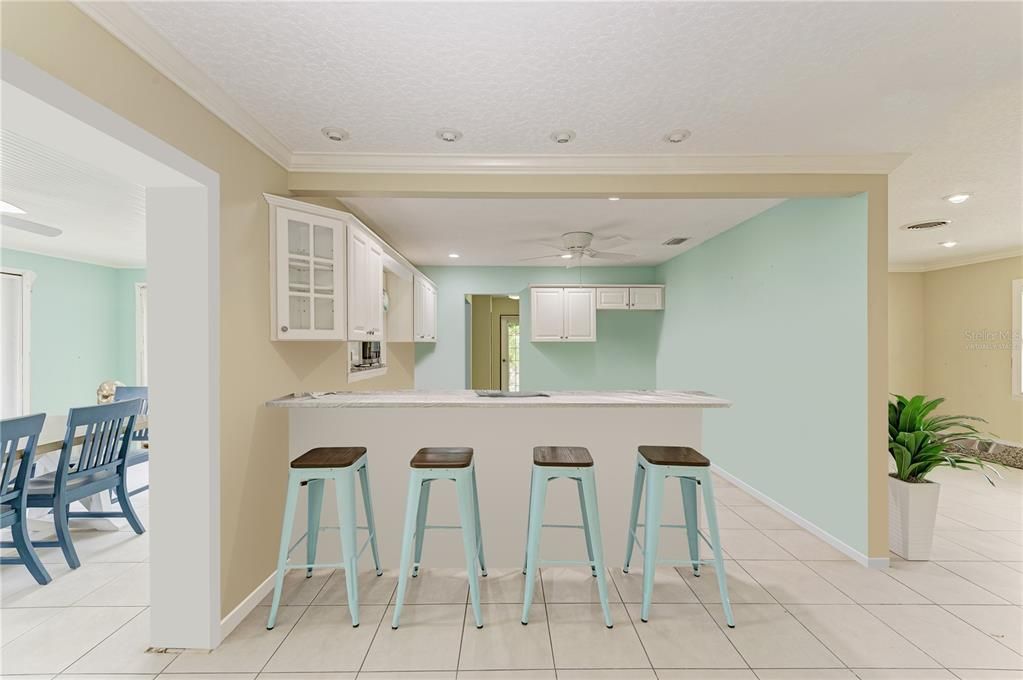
(961, 262)
(28, 278)
(245, 607)
(141, 312)
(870, 562)
(132, 30)
(1017, 339)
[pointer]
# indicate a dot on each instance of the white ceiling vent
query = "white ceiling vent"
(930, 224)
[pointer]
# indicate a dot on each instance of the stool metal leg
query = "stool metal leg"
(367, 502)
(282, 555)
(424, 504)
(411, 506)
(588, 489)
(586, 525)
(479, 525)
(637, 495)
(691, 510)
(654, 497)
(463, 490)
(536, 506)
(529, 518)
(719, 562)
(344, 485)
(314, 490)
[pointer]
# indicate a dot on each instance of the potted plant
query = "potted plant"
(917, 441)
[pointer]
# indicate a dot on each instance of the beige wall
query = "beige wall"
(906, 333)
(58, 38)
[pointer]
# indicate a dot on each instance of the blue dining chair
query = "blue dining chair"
(99, 467)
(138, 453)
(14, 475)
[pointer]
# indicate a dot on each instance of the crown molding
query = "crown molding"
(132, 30)
(959, 262)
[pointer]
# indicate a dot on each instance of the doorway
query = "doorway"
(510, 352)
(492, 342)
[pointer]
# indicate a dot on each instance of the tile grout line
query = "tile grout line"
(112, 633)
(632, 622)
(547, 616)
(714, 621)
(376, 631)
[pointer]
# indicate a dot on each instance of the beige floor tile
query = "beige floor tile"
(980, 674)
(669, 586)
(734, 496)
(532, 674)
(741, 544)
(702, 644)
(297, 676)
(100, 546)
(944, 549)
(903, 674)
(574, 585)
(373, 589)
(727, 518)
(742, 588)
(617, 674)
(858, 638)
(866, 586)
(505, 586)
(950, 641)
(124, 652)
(767, 636)
(503, 642)
(19, 589)
(999, 622)
(581, 640)
(1018, 566)
(804, 545)
(404, 675)
(299, 590)
(985, 521)
(435, 586)
(763, 517)
(15, 622)
(987, 544)
(130, 589)
(78, 629)
(246, 649)
(324, 640)
(204, 676)
(46, 676)
(119, 676)
(939, 585)
(995, 577)
(946, 520)
(793, 582)
(428, 639)
(705, 674)
(1011, 536)
(804, 674)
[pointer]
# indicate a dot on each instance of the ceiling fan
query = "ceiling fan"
(30, 227)
(575, 246)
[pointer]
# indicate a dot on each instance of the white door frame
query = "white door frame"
(505, 319)
(183, 225)
(25, 349)
(141, 312)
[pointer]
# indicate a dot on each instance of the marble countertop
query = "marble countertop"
(469, 399)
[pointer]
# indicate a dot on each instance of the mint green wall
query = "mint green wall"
(83, 328)
(772, 315)
(622, 357)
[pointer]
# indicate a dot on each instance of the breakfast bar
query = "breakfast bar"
(393, 425)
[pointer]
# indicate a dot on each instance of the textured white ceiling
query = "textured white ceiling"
(502, 231)
(103, 217)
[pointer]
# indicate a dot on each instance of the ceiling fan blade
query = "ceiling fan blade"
(598, 255)
(30, 227)
(542, 257)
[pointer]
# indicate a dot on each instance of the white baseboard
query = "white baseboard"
(869, 562)
(245, 607)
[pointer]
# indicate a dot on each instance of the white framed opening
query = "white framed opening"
(16, 342)
(141, 336)
(1017, 339)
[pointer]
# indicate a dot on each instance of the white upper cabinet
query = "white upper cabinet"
(424, 310)
(365, 286)
(651, 297)
(613, 298)
(307, 272)
(563, 314)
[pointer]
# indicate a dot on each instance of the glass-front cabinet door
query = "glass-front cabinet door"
(310, 295)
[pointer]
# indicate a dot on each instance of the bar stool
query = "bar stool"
(428, 465)
(570, 462)
(692, 468)
(311, 469)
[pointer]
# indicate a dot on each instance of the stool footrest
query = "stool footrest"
(442, 526)
(563, 563)
(563, 526)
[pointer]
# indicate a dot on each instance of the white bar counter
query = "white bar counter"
(503, 431)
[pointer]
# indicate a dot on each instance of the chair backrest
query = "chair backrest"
(129, 392)
(106, 432)
(13, 432)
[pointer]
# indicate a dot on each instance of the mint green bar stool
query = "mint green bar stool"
(311, 469)
(427, 466)
(656, 464)
(564, 462)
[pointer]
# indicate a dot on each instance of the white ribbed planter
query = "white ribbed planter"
(912, 509)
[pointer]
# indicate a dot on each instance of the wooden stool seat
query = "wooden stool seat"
(442, 457)
(329, 457)
(674, 455)
(562, 456)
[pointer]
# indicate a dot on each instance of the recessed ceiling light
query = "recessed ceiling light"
(614, 198)
(448, 135)
(335, 134)
(949, 244)
(454, 256)
(958, 198)
(6, 207)
(562, 136)
(566, 256)
(677, 136)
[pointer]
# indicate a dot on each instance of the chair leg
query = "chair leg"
(367, 502)
(691, 510)
(536, 506)
(60, 517)
(315, 492)
(637, 495)
(525, 552)
(344, 486)
(421, 513)
(719, 562)
(479, 525)
(463, 490)
(586, 525)
(27, 553)
(654, 494)
(411, 507)
(282, 553)
(588, 488)
(124, 500)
